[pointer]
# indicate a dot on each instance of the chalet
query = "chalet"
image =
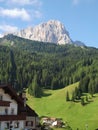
(15, 114)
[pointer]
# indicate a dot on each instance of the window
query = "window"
(12, 111)
(6, 111)
(29, 123)
(7, 125)
(16, 124)
(1, 97)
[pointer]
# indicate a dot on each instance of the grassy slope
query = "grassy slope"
(54, 104)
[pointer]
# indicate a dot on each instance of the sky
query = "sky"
(80, 17)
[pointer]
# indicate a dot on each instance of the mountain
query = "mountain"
(79, 43)
(52, 31)
(54, 66)
(25, 63)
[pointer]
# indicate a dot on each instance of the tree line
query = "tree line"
(87, 85)
(34, 65)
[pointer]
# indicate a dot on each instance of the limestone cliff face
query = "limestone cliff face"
(52, 31)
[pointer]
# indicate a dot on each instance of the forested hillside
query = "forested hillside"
(25, 63)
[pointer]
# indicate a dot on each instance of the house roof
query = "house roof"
(30, 111)
(11, 91)
(8, 89)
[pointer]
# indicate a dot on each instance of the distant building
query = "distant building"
(48, 121)
(15, 114)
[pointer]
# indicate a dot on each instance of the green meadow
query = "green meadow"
(53, 104)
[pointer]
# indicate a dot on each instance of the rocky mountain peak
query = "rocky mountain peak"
(52, 31)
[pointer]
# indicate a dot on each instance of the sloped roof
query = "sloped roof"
(11, 91)
(30, 111)
(8, 89)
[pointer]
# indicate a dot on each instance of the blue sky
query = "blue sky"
(80, 17)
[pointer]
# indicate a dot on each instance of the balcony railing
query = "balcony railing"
(5, 103)
(12, 117)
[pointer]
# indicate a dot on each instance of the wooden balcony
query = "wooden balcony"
(5, 103)
(12, 117)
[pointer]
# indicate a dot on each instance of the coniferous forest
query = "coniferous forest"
(37, 65)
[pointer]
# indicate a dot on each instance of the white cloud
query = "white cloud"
(22, 2)
(15, 13)
(8, 28)
(26, 2)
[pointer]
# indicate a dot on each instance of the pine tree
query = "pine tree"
(76, 93)
(82, 101)
(79, 93)
(91, 87)
(73, 96)
(13, 68)
(67, 96)
(86, 98)
(34, 89)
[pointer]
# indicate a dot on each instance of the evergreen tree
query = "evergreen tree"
(12, 73)
(79, 93)
(91, 87)
(96, 85)
(76, 93)
(67, 96)
(73, 96)
(82, 101)
(34, 89)
(86, 98)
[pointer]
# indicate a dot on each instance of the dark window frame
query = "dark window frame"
(6, 111)
(1, 97)
(12, 111)
(16, 124)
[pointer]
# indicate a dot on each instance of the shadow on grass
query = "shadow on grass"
(77, 101)
(94, 96)
(86, 103)
(46, 94)
(90, 101)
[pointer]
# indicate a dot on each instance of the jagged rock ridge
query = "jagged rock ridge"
(52, 31)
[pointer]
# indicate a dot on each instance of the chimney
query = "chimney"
(23, 96)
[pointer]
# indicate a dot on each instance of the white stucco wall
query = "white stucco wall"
(3, 125)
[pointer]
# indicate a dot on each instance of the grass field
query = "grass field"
(54, 104)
